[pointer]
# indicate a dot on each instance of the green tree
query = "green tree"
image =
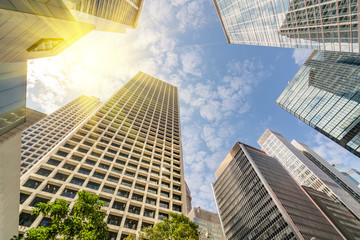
(176, 227)
(84, 222)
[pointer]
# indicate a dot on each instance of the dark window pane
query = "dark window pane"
(93, 185)
(23, 197)
(26, 219)
(61, 176)
(38, 200)
(137, 197)
(45, 222)
(53, 162)
(77, 181)
(51, 188)
(69, 193)
(119, 206)
(114, 220)
(69, 166)
(43, 172)
(131, 224)
(123, 193)
(32, 184)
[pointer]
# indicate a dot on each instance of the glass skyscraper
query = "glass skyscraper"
(258, 199)
(320, 25)
(128, 152)
(324, 94)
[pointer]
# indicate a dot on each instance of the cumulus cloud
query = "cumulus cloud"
(300, 55)
(191, 61)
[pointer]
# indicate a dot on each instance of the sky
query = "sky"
(227, 91)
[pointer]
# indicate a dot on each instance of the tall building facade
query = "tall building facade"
(209, 224)
(324, 94)
(352, 174)
(43, 136)
(304, 171)
(319, 25)
(128, 152)
(330, 170)
(188, 199)
(257, 199)
(10, 148)
(342, 218)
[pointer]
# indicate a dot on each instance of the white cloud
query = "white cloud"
(191, 61)
(300, 55)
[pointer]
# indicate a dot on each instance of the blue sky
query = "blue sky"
(227, 92)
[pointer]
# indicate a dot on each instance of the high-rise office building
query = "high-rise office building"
(320, 25)
(10, 148)
(330, 170)
(209, 224)
(324, 94)
(352, 174)
(43, 136)
(342, 218)
(188, 199)
(258, 199)
(128, 152)
(305, 171)
(107, 15)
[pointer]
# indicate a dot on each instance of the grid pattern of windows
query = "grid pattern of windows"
(304, 171)
(324, 94)
(320, 24)
(42, 137)
(122, 11)
(133, 146)
(258, 199)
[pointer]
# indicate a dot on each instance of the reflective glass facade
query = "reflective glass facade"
(324, 94)
(258, 199)
(316, 24)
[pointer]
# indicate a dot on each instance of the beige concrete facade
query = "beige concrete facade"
(128, 152)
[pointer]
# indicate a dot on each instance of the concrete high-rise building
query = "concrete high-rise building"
(330, 170)
(324, 94)
(209, 224)
(342, 218)
(188, 199)
(352, 174)
(128, 152)
(258, 199)
(304, 170)
(43, 136)
(10, 148)
(319, 25)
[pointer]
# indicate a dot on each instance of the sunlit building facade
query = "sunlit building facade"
(10, 148)
(320, 25)
(209, 224)
(305, 171)
(128, 152)
(42, 137)
(324, 94)
(352, 174)
(258, 199)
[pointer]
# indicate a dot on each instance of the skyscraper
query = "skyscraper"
(327, 168)
(128, 152)
(10, 149)
(40, 138)
(324, 94)
(257, 199)
(304, 171)
(320, 25)
(352, 174)
(209, 224)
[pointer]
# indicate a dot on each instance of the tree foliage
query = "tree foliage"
(176, 227)
(84, 222)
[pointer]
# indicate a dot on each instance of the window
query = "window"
(77, 181)
(26, 219)
(32, 184)
(149, 213)
(145, 225)
(45, 44)
(164, 204)
(131, 224)
(137, 197)
(84, 171)
(69, 166)
(104, 166)
(45, 222)
(176, 197)
(152, 190)
(106, 201)
(99, 175)
(93, 185)
(134, 209)
(37, 200)
(123, 193)
(117, 170)
(51, 188)
(151, 201)
(90, 162)
(126, 183)
(53, 162)
(23, 197)
(139, 186)
(119, 206)
(108, 189)
(114, 220)
(112, 236)
(69, 193)
(113, 179)
(162, 216)
(43, 172)
(177, 208)
(61, 176)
